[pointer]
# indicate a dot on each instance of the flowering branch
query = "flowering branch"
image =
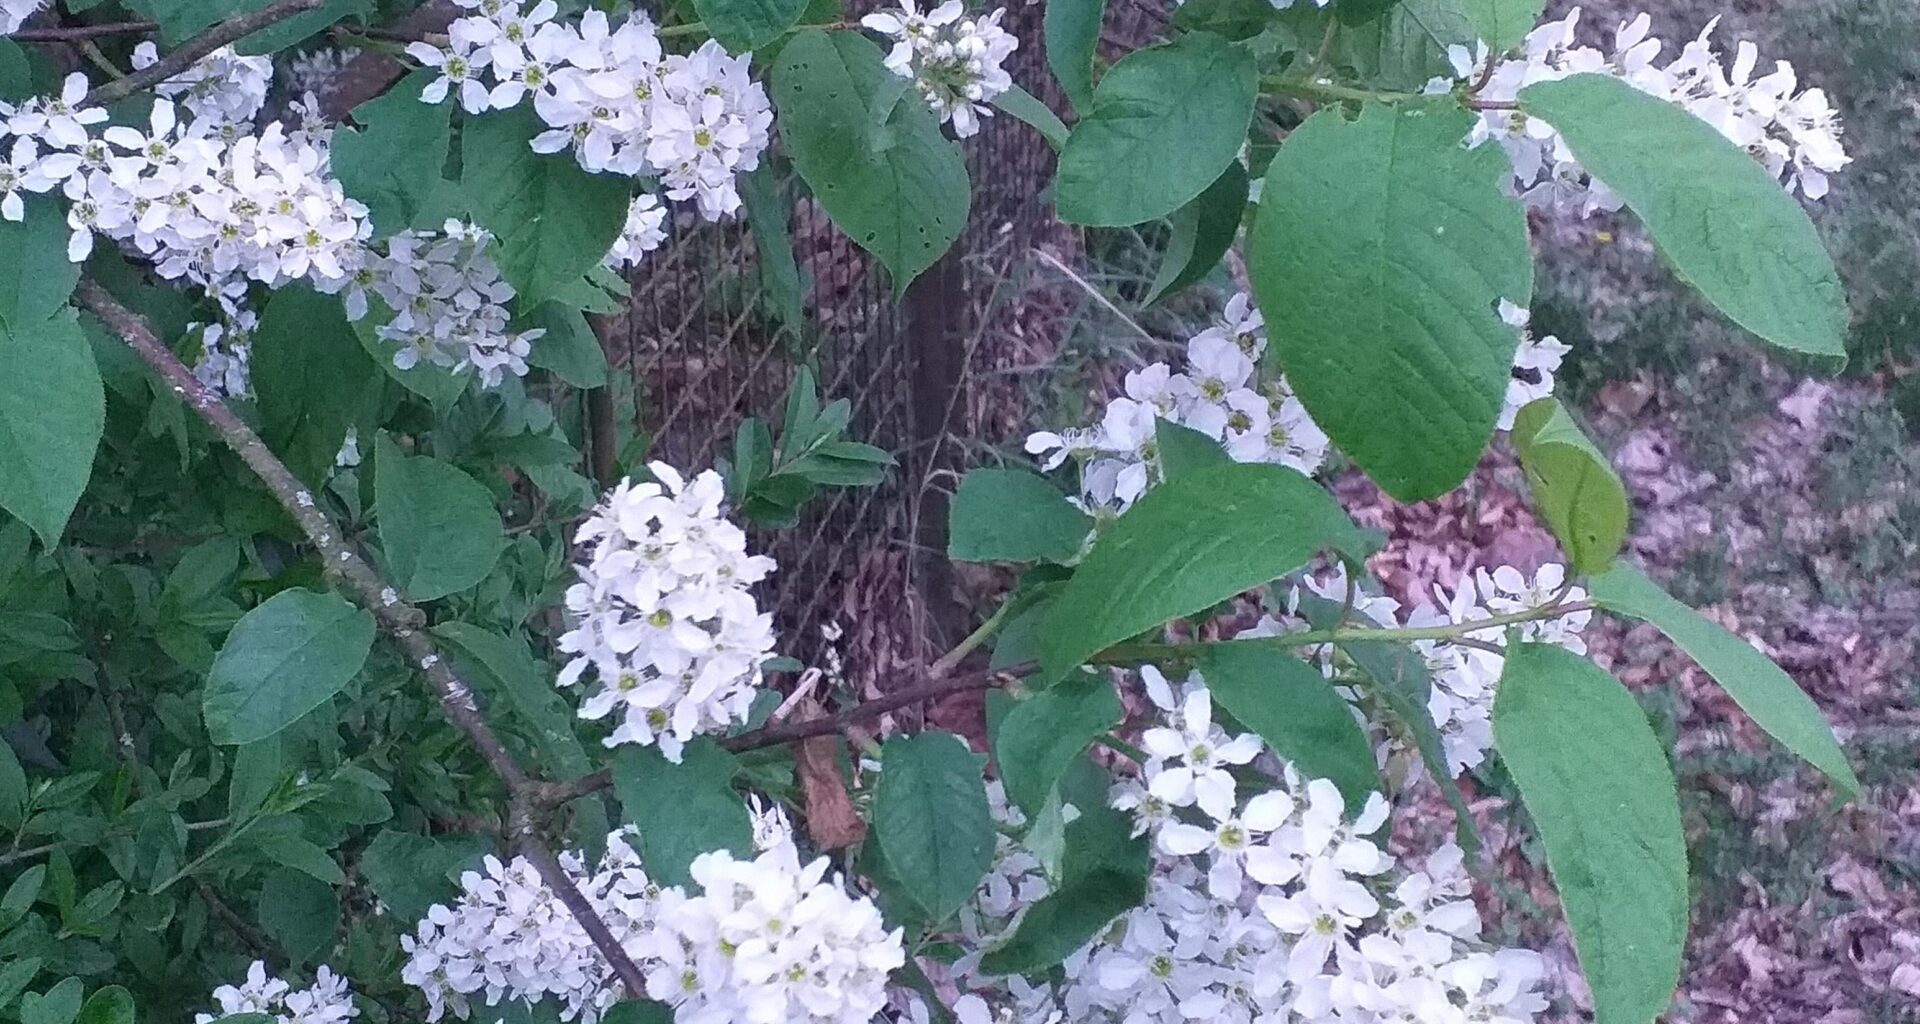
(188, 53)
(528, 795)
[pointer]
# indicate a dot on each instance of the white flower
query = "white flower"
(459, 63)
(663, 612)
(14, 13)
(1199, 754)
(328, 1001)
(954, 61)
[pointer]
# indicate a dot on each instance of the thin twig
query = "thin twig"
(70, 33)
(188, 53)
(404, 622)
(254, 938)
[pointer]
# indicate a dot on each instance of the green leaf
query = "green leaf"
(1202, 232)
(58, 1005)
(300, 912)
(282, 34)
(569, 348)
(552, 221)
(767, 215)
(52, 411)
(412, 872)
(283, 659)
(1164, 125)
(256, 774)
(36, 278)
(180, 19)
(742, 25)
(16, 83)
(1759, 686)
(302, 856)
(394, 162)
(1597, 784)
(15, 977)
(931, 820)
(311, 379)
(1380, 252)
(1573, 485)
(1010, 515)
(1183, 449)
(1293, 707)
(1404, 47)
(1502, 23)
(1036, 115)
(510, 676)
(13, 789)
(1185, 545)
(440, 386)
(109, 1005)
(21, 893)
(1724, 222)
(681, 810)
(1071, 42)
(879, 166)
(438, 527)
(1104, 875)
(1041, 736)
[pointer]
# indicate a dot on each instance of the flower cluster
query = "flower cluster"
(14, 13)
(328, 1001)
(1795, 133)
(1270, 901)
(644, 232)
(664, 614)
(1220, 395)
(223, 89)
(612, 95)
(448, 300)
(226, 353)
(769, 941)
(201, 199)
(953, 60)
(509, 937)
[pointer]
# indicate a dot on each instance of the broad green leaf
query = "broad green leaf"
(411, 872)
(552, 220)
(1380, 252)
(512, 678)
(438, 527)
(1164, 124)
(1724, 222)
(1404, 47)
(569, 348)
(1239, 20)
(311, 379)
(58, 1005)
(1573, 485)
(16, 976)
(1010, 515)
(742, 25)
(395, 161)
(1759, 686)
(767, 213)
(1036, 115)
(304, 856)
(180, 19)
(1597, 784)
(36, 277)
(109, 1005)
(52, 412)
(930, 817)
(879, 166)
(1072, 37)
(255, 775)
(1104, 875)
(1202, 232)
(282, 34)
(1295, 709)
(681, 810)
(1186, 545)
(1041, 736)
(1184, 449)
(1502, 23)
(284, 658)
(300, 912)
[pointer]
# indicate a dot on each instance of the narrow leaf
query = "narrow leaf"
(1185, 545)
(1035, 114)
(1597, 783)
(1072, 37)
(1759, 686)
(1726, 224)
(1573, 485)
(1202, 232)
(52, 412)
